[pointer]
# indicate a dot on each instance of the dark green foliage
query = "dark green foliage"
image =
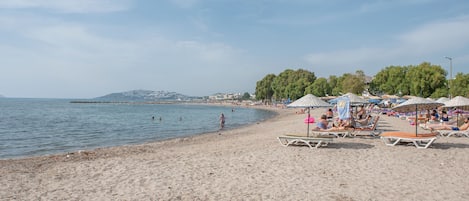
(460, 85)
(246, 96)
(292, 84)
(264, 90)
(424, 80)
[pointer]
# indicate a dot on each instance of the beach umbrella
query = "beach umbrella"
(457, 102)
(354, 99)
(387, 96)
(442, 100)
(416, 104)
(308, 101)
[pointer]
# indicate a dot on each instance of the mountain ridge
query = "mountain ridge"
(141, 95)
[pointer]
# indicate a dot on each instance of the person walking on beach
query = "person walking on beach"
(222, 121)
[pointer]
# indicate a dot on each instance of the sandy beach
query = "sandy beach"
(248, 163)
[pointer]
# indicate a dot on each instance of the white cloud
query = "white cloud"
(79, 57)
(437, 36)
(429, 41)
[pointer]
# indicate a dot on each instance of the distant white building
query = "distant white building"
(225, 96)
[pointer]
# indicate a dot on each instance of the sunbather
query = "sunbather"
(364, 122)
(329, 114)
(444, 116)
(322, 124)
(465, 126)
(434, 115)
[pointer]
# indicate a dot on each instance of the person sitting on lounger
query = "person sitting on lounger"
(322, 124)
(364, 122)
(463, 127)
(434, 115)
(329, 114)
(343, 125)
(444, 116)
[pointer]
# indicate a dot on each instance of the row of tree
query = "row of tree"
(424, 80)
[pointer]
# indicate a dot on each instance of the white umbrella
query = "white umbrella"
(457, 102)
(308, 101)
(442, 100)
(355, 100)
(416, 104)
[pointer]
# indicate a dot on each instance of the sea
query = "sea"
(36, 127)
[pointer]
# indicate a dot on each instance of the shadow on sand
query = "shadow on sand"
(450, 145)
(349, 145)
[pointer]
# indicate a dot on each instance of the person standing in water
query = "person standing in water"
(222, 121)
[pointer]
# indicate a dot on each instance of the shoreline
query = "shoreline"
(248, 163)
(92, 152)
(92, 149)
(164, 142)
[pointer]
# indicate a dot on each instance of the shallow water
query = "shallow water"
(32, 127)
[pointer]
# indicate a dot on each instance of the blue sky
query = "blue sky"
(89, 48)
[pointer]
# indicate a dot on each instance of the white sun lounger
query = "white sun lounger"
(367, 131)
(449, 133)
(312, 142)
(419, 142)
(456, 133)
(337, 134)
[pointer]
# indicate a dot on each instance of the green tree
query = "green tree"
(440, 92)
(425, 78)
(320, 87)
(391, 80)
(264, 90)
(292, 84)
(246, 96)
(334, 88)
(354, 83)
(460, 85)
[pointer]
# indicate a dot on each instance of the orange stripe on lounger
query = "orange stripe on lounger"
(406, 134)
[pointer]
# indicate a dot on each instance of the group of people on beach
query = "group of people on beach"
(360, 118)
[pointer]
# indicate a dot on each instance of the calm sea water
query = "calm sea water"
(32, 127)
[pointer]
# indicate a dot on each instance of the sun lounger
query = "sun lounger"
(421, 141)
(333, 133)
(367, 131)
(429, 126)
(449, 133)
(312, 142)
(459, 133)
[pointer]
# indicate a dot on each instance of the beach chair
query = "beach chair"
(421, 141)
(429, 126)
(450, 133)
(333, 133)
(312, 142)
(367, 131)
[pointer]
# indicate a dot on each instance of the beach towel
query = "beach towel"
(343, 108)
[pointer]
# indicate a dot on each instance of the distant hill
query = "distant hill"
(145, 96)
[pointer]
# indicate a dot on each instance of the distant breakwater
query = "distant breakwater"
(125, 102)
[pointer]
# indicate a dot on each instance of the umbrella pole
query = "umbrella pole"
(307, 122)
(416, 119)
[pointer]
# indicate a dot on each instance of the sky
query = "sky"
(90, 48)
